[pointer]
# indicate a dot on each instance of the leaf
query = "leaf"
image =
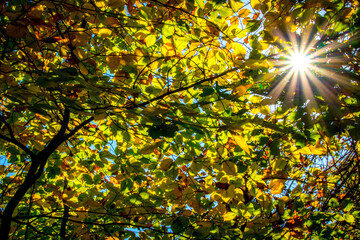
(16, 30)
(179, 224)
(241, 90)
(243, 13)
(347, 204)
(277, 186)
(349, 218)
(264, 199)
(166, 164)
(255, 4)
(87, 178)
(144, 195)
(333, 203)
(150, 40)
(142, 116)
(149, 148)
(229, 216)
(104, 32)
(229, 167)
(240, 141)
(293, 222)
(113, 61)
(225, 12)
(168, 29)
(168, 49)
(239, 50)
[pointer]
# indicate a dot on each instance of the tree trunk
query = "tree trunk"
(30, 179)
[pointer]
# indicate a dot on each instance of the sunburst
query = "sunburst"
(300, 61)
(305, 70)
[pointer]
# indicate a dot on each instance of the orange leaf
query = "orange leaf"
(243, 13)
(277, 186)
(241, 90)
(293, 222)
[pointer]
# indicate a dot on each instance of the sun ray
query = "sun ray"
(310, 66)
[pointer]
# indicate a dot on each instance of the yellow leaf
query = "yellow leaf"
(215, 196)
(139, 53)
(255, 4)
(150, 40)
(104, 32)
(228, 194)
(277, 186)
(168, 49)
(239, 50)
(229, 216)
(100, 4)
(229, 167)
(80, 53)
(265, 110)
(264, 199)
(318, 149)
(240, 141)
(166, 164)
(154, 111)
(235, 5)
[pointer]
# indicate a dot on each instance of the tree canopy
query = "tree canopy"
(185, 119)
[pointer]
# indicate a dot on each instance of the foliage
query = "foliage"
(176, 119)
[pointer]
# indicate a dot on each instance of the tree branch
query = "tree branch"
(13, 140)
(77, 128)
(36, 169)
(65, 216)
(143, 104)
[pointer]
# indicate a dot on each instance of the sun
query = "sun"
(300, 61)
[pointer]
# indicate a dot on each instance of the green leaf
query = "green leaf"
(144, 195)
(347, 204)
(333, 203)
(87, 178)
(126, 185)
(349, 218)
(179, 224)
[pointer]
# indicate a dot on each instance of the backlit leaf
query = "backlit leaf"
(255, 4)
(277, 186)
(240, 141)
(104, 32)
(229, 216)
(229, 167)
